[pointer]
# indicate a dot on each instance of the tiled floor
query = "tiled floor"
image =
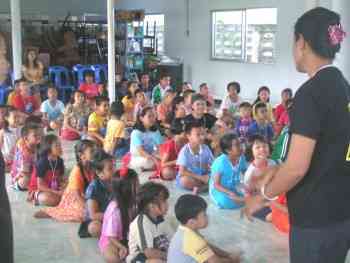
(46, 241)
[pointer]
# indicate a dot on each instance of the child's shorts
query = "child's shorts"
(140, 258)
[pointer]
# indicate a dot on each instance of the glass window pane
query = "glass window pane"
(159, 21)
(261, 35)
(227, 35)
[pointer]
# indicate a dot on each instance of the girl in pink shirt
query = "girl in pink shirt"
(118, 215)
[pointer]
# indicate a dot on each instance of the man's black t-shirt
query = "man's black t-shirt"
(207, 121)
(320, 112)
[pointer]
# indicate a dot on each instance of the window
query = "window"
(247, 35)
(155, 22)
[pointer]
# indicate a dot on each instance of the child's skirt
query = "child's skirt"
(70, 209)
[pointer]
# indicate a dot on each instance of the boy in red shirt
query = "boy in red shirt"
(169, 151)
(24, 101)
(90, 88)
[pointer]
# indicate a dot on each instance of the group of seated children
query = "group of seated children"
(177, 135)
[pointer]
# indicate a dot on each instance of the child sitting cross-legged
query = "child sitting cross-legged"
(72, 205)
(98, 120)
(141, 102)
(97, 195)
(144, 141)
(120, 212)
(52, 109)
(150, 233)
(244, 122)
(47, 182)
(188, 245)
(115, 142)
(169, 152)
(226, 174)
(194, 159)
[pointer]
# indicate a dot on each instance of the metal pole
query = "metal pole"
(111, 49)
(16, 38)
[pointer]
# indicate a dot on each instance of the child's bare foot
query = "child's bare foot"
(41, 214)
(268, 218)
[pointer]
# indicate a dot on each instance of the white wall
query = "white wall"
(196, 49)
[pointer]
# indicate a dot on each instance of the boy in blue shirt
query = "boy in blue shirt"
(53, 109)
(194, 159)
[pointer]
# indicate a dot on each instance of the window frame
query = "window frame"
(244, 36)
(164, 32)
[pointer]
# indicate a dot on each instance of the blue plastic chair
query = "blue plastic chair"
(60, 77)
(79, 73)
(101, 73)
(4, 89)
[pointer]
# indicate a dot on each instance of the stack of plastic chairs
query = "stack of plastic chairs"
(101, 73)
(60, 77)
(5, 88)
(79, 73)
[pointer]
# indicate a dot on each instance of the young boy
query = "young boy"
(114, 142)
(98, 120)
(199, 113)
(188, 245)
(169, 152)
(261, 125)
(159, 90)
(53, 109)
(23, 101)
(194, 159)
(90, 88)
(149, 233)
(25, 156)
(244, 121)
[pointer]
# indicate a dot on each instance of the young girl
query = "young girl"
(9, 135)
(25, 156)
(47, 181)
(264, 97)
(145, 139)
(232, 100)
(97, 195)
(72, 205)
(244, 122)
(141, 102)
(75, 116)
(226, 174)
(164, 107)
(153, 206)
(118, 216)
(260, 153)
(129, 101)
(282, 107)
(178, 113)
(90, 88)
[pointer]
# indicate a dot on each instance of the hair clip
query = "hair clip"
(336, 34)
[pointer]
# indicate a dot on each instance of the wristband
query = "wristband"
(262, 190)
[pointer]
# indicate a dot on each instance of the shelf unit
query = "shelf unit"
(129, 41)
